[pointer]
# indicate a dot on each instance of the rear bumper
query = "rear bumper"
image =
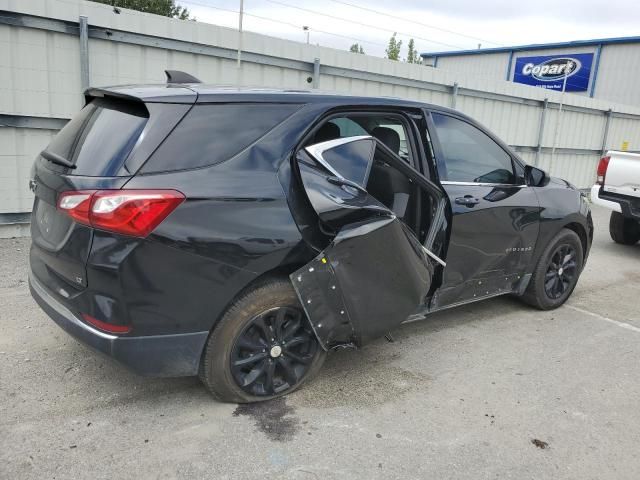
(595, 198)
(157, 355)
(628, 206)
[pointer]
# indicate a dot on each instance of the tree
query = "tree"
(412, 53)
(393, 50)
(166, 8)
(356, 48)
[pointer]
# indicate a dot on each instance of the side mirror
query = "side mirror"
(535, 177)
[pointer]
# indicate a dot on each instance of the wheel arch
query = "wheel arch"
(576, 222)
(278, 272)
(259, 296)
(580, 230)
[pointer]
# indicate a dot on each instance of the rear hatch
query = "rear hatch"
(101, 148)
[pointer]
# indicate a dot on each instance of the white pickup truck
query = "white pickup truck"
(618, 188)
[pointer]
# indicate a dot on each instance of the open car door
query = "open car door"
(377, 271)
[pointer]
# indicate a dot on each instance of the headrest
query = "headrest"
(328, 131)
(389, 137)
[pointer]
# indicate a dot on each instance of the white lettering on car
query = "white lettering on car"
(518, 249)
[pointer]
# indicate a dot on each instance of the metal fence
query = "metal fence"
(51, 50)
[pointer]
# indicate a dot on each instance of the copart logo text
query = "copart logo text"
(553, 69)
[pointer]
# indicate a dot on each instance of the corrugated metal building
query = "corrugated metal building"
(606, 69)
(50, 50)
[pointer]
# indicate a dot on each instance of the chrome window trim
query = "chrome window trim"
(434, 256)
(478, 184)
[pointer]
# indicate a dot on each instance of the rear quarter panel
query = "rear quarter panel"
(234, 228)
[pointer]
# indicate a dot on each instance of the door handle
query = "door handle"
(467, 200)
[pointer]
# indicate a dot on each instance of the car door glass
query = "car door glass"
(347, 127)
(350, 159)
(373, 167)
(469, 154)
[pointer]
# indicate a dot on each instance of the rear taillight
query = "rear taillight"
(602, 169)
(129, 212)
(76, 205)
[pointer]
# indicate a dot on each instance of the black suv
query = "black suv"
(240, 234)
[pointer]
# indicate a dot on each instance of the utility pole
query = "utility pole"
(240, 14)
(306, 29)
(568, 66)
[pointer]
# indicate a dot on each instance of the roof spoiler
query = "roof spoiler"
(176, 76)
(96, 92)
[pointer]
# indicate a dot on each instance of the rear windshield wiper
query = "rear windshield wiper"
(57, 159)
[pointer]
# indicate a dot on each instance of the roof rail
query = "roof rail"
(176, 76)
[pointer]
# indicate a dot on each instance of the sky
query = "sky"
(435, 26)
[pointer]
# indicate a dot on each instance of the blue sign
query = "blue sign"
(549, 71)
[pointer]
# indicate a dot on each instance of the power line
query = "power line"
(292, 25)
(368, 25)
(206, 5)
(348, 37)
(414, 21)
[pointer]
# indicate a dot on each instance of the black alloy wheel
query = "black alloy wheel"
(557, 271)
(562, 271)
(274, 352)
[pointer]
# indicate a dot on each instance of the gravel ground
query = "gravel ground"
(491, 390)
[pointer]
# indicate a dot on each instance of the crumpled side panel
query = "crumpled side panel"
(367, 281)
(318, 290)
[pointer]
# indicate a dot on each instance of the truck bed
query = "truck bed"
(623, 174)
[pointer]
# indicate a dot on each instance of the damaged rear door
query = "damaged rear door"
(376, 271)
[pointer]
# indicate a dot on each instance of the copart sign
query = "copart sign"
(550, 71)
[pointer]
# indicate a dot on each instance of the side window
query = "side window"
(347, 127)
(469, 154)
(389, 129)
(213, 133)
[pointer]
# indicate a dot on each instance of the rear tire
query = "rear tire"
(242, 364)
(557, 272)
(624, 230)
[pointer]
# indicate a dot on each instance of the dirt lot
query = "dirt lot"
(491, 390)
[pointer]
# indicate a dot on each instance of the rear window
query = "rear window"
(211, 134)
(100, 137)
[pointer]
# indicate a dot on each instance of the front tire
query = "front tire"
(262, 348)
(557, 272)
(624, 230)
